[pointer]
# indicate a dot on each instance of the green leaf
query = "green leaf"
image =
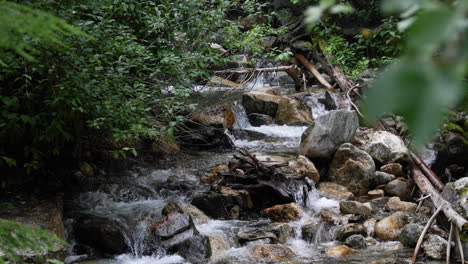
(54, 261)
(417, 90)
(430, 29)
(313, 15)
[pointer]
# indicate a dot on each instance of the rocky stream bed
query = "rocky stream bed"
(303, 183)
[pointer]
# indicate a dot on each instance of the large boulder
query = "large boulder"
(384, 146)
(293, 112)
(261, 103)
(352, 168)
(171, 224)
(327, 133)
(389, 228)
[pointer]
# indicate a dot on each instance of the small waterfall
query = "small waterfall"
(240, 114)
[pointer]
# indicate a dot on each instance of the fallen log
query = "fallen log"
(426, 187)
(335, 72)
(427, 171)
(314, 71)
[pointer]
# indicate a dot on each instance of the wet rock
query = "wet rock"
(40, 213)
(327, 133)
(172, 207)
(352, 168)
(375, 194)
(197, 215)
(247, 235)
(354, 207)
(194, 249)
(256, 119)
(175, 240)
(435, 247)
(293, 112)
(269, 91)
(101, 233)
(410, 234)
(274, 252)
(333, 190)
(356, 241)
(388, 229)
(170, 225)
(86, 169)
(208, 119)
(317, 232)
(357, 219)
(283, 212)
(395, 204)
(348, 230)
(369, 226)
(340, 251)
(283, 231)
(211, 203)
(303, 166)
(385, 147)
(399, 187)
(393, 168)
(237, 197)
(261, 103)
(381, 177)
(216, 245)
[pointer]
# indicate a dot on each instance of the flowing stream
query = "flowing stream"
(133, 198)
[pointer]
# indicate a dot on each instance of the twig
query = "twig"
(460, 246)
(421, 237)
(427, 171)
(449, 243)
(314, 71)
(352, 103)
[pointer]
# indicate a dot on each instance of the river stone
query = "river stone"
(170, 225)
(375, 194)
(317, 232)
(247, 235)
(303, 166)
(261, 103)
(217, 245)
(283, 212)
(354, 207)
(335, 191)
(388, 229)
(352, 168)
(327, 133)
(399, 187)
(237, 197)
(435, 247)
(293, 113)
(385, 147)
(274, 252)
(381, 177)
(194, 249)
(340, 251)
(283, 231)
(256, 119)
(393, 168)
(356, 241)
(395, 204)
(410, 234)
(348, 230)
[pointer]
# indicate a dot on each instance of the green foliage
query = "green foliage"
(427, 80)
(20, 25)
(130, 79)
(16, 237)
